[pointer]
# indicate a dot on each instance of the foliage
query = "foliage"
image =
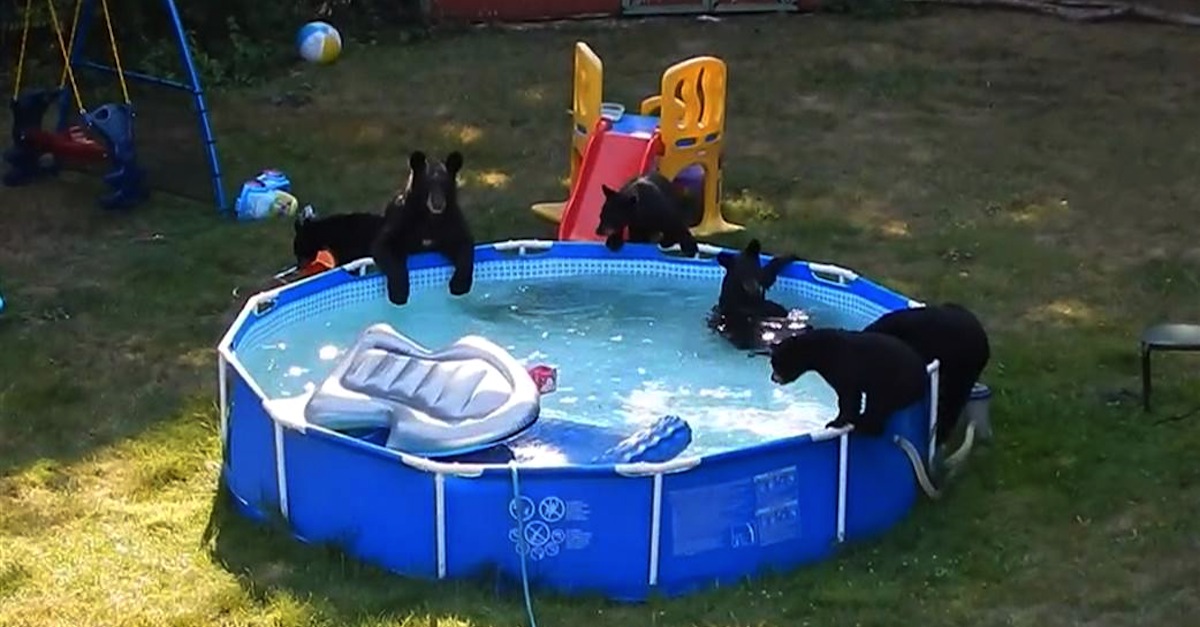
(232, 41)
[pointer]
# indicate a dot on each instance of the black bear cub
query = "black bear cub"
(743, 314)
(651, 209)
(425, 217)
(347, 236)
(885, 369)
(951, 334)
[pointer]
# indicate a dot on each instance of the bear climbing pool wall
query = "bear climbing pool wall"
(526, 10)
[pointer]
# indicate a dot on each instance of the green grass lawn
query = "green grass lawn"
(1042, 173)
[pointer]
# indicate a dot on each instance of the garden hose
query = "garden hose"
(953, 463)
(522, 545)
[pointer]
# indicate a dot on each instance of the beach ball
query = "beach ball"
(319, 42)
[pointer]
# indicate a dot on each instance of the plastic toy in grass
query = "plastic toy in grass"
(323, 261)
(267, 194)
(319, 42)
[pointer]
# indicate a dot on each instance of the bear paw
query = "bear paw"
(460, 285)
(397, 292)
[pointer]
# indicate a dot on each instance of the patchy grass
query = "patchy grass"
(1041, 172)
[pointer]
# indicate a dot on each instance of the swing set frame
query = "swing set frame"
(70, 140)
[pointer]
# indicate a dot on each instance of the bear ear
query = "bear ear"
(608, 191)
(454, 162)
(726, 259)
(416, 161)
(754, 247)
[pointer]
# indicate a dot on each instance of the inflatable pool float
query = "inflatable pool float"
(464, 402)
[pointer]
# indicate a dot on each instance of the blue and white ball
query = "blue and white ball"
(319, 42)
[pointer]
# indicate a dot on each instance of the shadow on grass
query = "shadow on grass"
(112, 319)
(266, 558)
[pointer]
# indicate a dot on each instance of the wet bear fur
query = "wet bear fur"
(650, 208)
(951, 334)
(743, 314)
(854, 363)
(426, 217)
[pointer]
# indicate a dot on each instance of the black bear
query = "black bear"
(888, 371)
(951, 334)
(743, 314)
(426, 217)
(651, 209)
(347, 236)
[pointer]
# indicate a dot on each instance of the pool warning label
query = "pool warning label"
(759, 511)
(544, 535)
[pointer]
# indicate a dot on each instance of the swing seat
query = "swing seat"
(71, 144)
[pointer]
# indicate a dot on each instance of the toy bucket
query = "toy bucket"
(265, 195)
(257, 202)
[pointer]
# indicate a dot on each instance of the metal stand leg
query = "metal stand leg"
(1145, 378)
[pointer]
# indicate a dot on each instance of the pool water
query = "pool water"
(628, 349)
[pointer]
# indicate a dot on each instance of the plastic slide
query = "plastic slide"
(610, 159)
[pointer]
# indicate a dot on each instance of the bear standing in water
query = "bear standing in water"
(651, 209)
(743, 314)
(426, 217)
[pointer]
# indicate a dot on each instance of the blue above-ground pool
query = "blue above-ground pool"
(627, 526)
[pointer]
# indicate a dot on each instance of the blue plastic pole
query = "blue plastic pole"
(206, 132)
(138, 76)
(87, 14)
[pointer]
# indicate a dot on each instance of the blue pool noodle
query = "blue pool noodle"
(658, 442)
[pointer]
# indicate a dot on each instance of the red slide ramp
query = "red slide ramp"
(609, 159)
